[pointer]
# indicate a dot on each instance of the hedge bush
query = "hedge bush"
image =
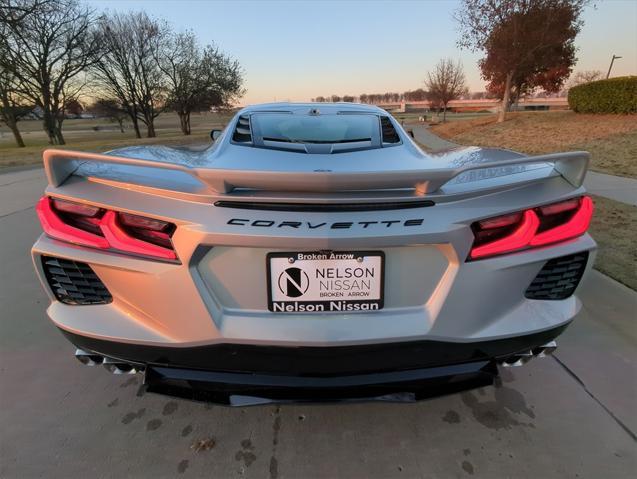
(615, 95)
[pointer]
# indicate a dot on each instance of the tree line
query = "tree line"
(444, 83)
(372, 98)
(133, 66)
(419, 94)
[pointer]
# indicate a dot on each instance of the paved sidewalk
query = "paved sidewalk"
(616, 188)
(431, 141)
(17, 189)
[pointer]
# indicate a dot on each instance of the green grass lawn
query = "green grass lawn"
(412, 117)
(614, 227)
(616, 154)
(611, 139)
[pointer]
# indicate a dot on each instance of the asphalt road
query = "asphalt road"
(572, 415)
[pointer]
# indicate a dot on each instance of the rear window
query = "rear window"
(290, 128)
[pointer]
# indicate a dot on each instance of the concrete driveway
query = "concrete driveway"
(572, 415)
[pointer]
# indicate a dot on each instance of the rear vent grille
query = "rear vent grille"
(242, 132)
(558, 278)
(390, 135)
(73, 282)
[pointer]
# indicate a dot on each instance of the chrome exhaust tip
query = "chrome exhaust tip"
(115, 366)
(88, 358)
(545, 350)
(520, 359)
(516, 360)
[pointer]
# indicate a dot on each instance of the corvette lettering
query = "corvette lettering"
(335, 226)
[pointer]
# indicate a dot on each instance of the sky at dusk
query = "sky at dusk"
(297, 50)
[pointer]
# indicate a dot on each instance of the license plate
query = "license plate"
(333, 281)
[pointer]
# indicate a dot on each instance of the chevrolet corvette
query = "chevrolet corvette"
(312, 252)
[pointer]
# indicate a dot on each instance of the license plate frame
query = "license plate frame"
(278, 263)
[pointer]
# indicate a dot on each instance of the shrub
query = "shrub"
(615, 95)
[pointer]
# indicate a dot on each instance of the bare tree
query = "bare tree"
(13, 12)
(115, 70)
(128, 69)
(111, 109)
(415, 95)
(12, 109)
(48, 45)
(527, 43)
(445, 83)
(585, 76)
(198, 79)
(73, 107)
(11, 104)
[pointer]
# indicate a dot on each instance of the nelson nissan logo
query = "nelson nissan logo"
(293, 282)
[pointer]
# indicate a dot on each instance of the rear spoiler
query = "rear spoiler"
(60, 164)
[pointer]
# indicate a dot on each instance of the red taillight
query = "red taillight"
(520, 237)
(561, 207)
(99, 228)
(535, 227)
(54, 225)
(76, 208)
(84, 217)
(120, 239)
(575, 226)
(152, 230)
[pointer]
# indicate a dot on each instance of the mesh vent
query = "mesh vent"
(242, 132)
(73, 282)
(390, 135)
(558, 278)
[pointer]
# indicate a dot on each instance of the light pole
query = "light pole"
(615, 57)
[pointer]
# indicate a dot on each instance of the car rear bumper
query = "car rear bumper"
(240, 374)
(173, 306)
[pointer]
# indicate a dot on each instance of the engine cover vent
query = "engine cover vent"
(243, 132)
(390, 135)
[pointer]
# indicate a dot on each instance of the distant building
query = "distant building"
(525, 104)
(35, 114)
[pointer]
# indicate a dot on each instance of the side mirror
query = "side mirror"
(214, 134)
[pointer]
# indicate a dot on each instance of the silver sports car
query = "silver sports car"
(313, 251)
